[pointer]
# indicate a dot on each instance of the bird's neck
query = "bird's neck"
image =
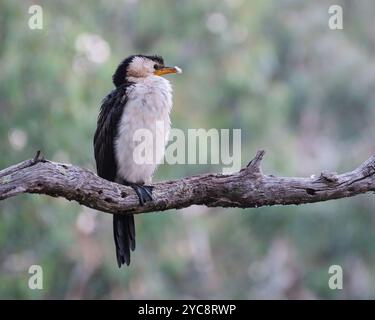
(152, 80)
(153, 92)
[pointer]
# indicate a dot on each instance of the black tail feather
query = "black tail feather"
(124, 235)
(124, 227)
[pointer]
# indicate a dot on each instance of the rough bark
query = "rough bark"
(247, 188)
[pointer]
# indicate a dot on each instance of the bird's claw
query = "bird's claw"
(144, 193)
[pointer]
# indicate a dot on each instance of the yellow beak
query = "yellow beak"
(167, 70)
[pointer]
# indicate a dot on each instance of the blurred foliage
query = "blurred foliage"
(274, 69)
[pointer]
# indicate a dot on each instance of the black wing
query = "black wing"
(106, 132)
(105, 135)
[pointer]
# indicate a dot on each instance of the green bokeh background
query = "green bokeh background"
(274, 69)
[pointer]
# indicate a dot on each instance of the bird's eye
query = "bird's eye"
(156, 67)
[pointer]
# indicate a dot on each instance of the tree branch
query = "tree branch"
(247, 188)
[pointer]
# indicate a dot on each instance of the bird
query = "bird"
(141, 97)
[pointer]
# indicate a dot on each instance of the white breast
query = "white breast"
(149, 102)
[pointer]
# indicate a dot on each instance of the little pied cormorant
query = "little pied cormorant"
(141, 98)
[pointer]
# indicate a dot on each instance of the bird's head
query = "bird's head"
(141, 66)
